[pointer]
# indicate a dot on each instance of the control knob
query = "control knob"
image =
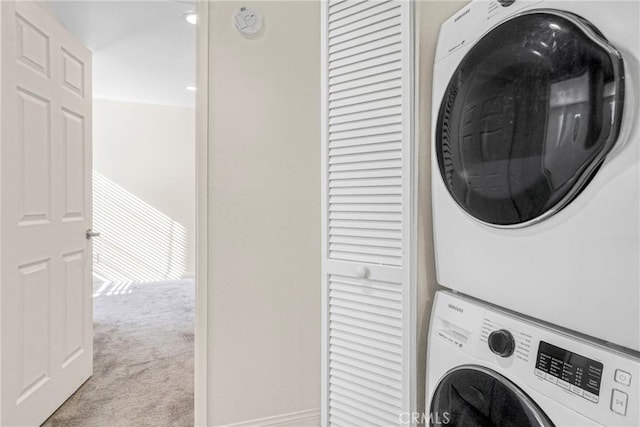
(501, 342)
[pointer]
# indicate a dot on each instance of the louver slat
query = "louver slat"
(364, 412)
(351, 11)
(342, 419)
(365, 35)
(380, 394)
(364, 108)
(373, 319)
(366, 341)
(362, 73)
(393, 110)
(357, 95)
(365, 397)
(379, 13)
(352, 58)
(374, 47)
(340, 151)
(366, 146)
(367, 308)
(380, 59)
(382, 354)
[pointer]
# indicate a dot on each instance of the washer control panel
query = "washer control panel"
(597, 381)
(571, 371)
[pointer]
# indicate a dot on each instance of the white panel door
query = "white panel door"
(46, 349)
(368, 213)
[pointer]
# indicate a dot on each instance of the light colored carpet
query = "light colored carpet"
(143, 359)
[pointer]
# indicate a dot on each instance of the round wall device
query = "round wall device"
(248, 21)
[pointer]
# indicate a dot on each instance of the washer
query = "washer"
(486, 366)
(536, 178)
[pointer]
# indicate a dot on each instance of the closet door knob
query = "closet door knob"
(362, 272)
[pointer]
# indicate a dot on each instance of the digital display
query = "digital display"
(570, 367)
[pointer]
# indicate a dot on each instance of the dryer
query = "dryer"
(487, 366)
(535, 161)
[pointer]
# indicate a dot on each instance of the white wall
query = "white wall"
(144, 189)
(264, 190)
(430, 14)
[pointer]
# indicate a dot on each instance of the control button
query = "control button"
(576, 390)
(539, 373)
(564, 384)
(506, 3)
(590, 396)
(551, 378)
(501, 342)
(623, 377)
(619, 402)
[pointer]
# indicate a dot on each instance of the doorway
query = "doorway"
(144, 209)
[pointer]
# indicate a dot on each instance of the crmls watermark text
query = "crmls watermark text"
(433, 418)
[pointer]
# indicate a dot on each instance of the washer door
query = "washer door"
(528, 117)
(473, 396)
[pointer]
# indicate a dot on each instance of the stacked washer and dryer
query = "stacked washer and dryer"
(536, 198)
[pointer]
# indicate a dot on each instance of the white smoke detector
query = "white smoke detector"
(248, 21)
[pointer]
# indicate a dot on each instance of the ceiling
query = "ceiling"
(143, 51)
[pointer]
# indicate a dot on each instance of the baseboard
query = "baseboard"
(308, 418)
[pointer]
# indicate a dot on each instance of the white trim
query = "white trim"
(308, 418)
(201, 373)
(324, 311)
(409, 275)
(412, 211)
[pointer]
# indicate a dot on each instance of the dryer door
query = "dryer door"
(473, 396)
(528, 117)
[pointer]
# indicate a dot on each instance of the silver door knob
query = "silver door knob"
(91, 233)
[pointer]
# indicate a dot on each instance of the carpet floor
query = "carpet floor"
(143, 359)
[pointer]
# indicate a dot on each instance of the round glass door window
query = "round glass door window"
(474, 396)
(528, 117)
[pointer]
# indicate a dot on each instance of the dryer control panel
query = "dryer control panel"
(600, 382)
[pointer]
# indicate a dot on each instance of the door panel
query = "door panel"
(75, 294)
(368, 213)
(33, 134)
(46, 349)
(73, 146)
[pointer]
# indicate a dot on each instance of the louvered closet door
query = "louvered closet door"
(368, 328)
